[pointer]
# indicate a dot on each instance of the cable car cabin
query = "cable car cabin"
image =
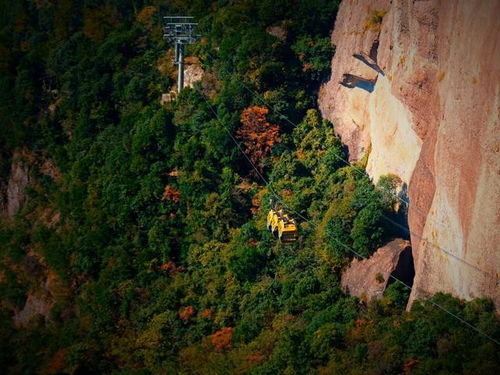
(281, 226)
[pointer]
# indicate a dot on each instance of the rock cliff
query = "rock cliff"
(417, 85)
(47, 288)
(12, 194)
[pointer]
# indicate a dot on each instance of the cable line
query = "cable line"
(363, 172)
(282, 116)
(335, 239)
(407, 230)
(357, 169)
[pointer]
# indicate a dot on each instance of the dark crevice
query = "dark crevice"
(364, 58)
(374, 50)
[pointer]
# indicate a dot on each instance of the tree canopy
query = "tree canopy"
(144, 225)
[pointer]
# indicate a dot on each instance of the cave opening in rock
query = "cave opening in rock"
(405, 269)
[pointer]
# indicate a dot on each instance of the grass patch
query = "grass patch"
(374, 20)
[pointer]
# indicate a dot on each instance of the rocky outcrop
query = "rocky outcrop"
(193, 72)
(12, 191)
(46, 286)
(13, 195)
(40, 299)
(367, 279)
(38, 304)
(418, 82)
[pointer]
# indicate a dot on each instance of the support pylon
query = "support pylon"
(180, 30)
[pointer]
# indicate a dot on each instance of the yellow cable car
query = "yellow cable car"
(282, 226)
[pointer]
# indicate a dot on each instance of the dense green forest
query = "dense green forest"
(153, 224)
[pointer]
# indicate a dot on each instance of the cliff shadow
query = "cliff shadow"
(365, 59)
(401, 216)
(351, 81)
(396, 222)
(374, 50)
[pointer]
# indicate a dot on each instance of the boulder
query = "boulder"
(368, 278)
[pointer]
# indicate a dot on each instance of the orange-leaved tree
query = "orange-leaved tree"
(186, 313)
(257, 134)
(222, 339)
(170, 194)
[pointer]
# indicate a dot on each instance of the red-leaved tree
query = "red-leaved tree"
(222, 339)
(186, 313)
(170, 194)
(257, 134)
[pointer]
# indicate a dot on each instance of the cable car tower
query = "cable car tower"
(180, 30)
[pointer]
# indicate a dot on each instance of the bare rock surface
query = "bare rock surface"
(367, 279)
(39, 303)
(14, 196)
(458, 250)
(40, 299)
(193, 72)
(347, 107)
(12, 191)
(425, 98)
(277, 31)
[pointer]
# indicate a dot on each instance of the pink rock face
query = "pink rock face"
(35, 305)
(442, 63)
(368, 278)
(458, 244)
(350, 36)
(48, 288)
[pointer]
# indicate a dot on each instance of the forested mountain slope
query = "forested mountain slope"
(132, 236)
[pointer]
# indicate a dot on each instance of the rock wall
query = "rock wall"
(12, 189)
(418, 82)
(47, 288)
(12, 194)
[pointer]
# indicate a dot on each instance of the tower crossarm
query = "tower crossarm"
(180, 30)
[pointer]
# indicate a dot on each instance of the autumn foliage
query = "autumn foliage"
(255, 357)
(222, 339)
(145, 14)
(186, 313)
(96, 22)
(257, 134)
(167, 266)
(170, 194)
(409, 365)
(171, 268)
(206, 313)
